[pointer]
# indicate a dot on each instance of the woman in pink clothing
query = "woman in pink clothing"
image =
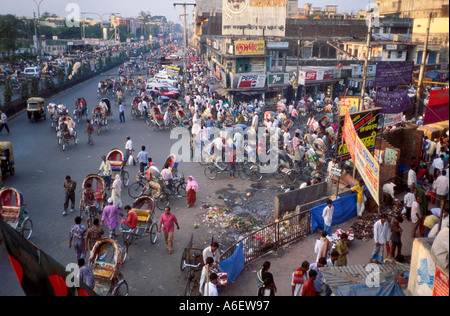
(191, 190)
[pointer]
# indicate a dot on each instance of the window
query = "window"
(243, 65)
(399, 54)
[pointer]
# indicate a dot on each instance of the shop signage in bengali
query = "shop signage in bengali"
(357, 71)
(393, 74)
(366, 126)
(306, 77)
(365, 163)
(244, 48)
(173, 71)
(252, 81)
(392, 119)
(278, 79)
(350, 103)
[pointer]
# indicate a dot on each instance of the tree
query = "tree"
(25, 91)
(8, 95)
(35, 87)
(145, 17)
(9, 26)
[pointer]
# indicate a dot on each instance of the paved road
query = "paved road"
(41, 167)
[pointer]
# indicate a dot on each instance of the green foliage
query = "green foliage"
(35, 87)
(25, 91)
(8, 94)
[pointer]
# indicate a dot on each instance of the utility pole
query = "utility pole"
(366, 62)
(184, 4)
(419, 96)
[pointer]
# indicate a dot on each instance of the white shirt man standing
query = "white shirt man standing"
(327, 215)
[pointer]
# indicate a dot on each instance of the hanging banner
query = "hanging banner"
(365, 163)
(393, 74)
(366, 126)
(437, 107)
(393, 102)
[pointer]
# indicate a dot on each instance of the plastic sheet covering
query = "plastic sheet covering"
(388, 288)
(234, 265)
(344, 209)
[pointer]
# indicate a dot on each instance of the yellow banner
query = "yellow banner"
(244, 48)
(366, 164)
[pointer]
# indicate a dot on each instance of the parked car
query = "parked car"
(163, 90)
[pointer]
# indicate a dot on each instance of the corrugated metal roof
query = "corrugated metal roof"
(358, 274)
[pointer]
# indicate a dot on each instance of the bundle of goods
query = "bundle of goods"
(337, 236)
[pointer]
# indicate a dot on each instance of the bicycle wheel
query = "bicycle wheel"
(136, 190)
(290, 177)
(279, 174)
(153, 233)
(125, 178)
(211, 172)
(163, 201)
(255, 175)
(181, 189)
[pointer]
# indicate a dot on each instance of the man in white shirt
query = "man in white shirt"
(412, 177)
(327, 215)
(409, 199)
(129, 149)
(438, 164)
(441, 187)
(380, 237)
(210, 288)
(415, 216)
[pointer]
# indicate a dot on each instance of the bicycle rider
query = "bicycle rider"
(89, 200)
(105, 171)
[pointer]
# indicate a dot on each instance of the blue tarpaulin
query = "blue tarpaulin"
(234, 265)
(344, 209)
(388, 288)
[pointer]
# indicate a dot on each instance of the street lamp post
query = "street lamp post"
(38, 35)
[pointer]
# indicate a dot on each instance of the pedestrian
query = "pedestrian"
(129, 151)
(85, 273)
(109, 218)
(105, 171)
(78, 235)
(299, 278)
(169, 221)
(415, 216)
(429, 222)
(327, 215)
(309, 288)
(69, 189)
(396, 236)
(323, 246)
(191, 191)
(93, 235)
(212, 251)
(207, 270)
(211, 286)
(3, 122)
(265, 280)
(142, 157)
(116, 192)
(381, 238)
(89, 131)
(342, 248)
(441, 187)
(412, 177)
(409, 199)
(359, 198)
(121, 112)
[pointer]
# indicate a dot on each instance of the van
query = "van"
(172, 80)
(31, 72)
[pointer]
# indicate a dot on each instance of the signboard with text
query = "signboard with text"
(368, 167)
(254, 17)
(245, 48)
(251, 81)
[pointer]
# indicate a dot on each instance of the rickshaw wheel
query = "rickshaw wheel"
(163, 201)
(183, 259)
(125, 178)
(27, 228)
(290, 177)
(121, 289)
(153, 233)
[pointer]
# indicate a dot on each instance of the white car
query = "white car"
(32, 72)
(168, 78)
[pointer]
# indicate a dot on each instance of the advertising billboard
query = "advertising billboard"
(254, 17)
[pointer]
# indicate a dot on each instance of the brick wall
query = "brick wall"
(389, 165)
(409, 141)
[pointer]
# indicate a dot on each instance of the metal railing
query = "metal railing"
(273, 236)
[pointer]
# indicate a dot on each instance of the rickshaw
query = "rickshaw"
(98, 187)
(131, 87)
(172, 109)
(106, 259)
(99, 118)
(156, 118)
(120, 96)
(80, 109)
(116, 159)
(183, 118)
(146, 226)
(36, 109)
(106, 104)
(66, 132)
(7, 158)
(13, 211)
(51, 109)
(135, 113)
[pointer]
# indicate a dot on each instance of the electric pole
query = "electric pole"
(184, 34)
(366, 62)
(419, 96)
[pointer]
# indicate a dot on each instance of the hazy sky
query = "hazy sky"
(133, 7)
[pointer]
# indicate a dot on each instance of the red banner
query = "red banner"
(437, 108)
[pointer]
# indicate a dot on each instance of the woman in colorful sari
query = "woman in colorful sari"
(191, 190)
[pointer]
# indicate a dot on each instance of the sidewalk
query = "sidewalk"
(288, 259)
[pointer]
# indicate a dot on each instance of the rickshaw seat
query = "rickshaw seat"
(10, 213)
(103, 270)
(143, 215)
(116, 164)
